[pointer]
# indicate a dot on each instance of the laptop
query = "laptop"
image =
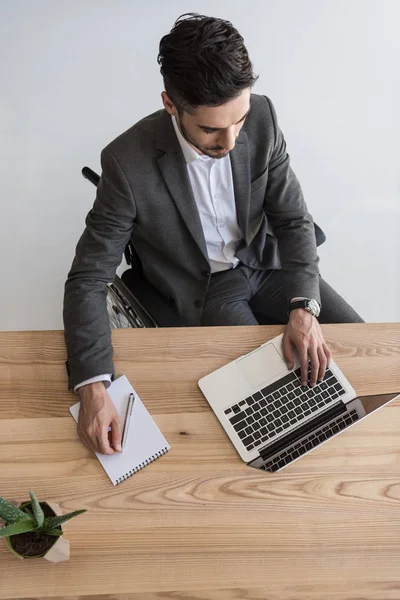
(270, 418)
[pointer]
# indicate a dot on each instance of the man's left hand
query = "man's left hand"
(304, 332)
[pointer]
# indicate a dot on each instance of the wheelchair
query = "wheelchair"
(132, 302)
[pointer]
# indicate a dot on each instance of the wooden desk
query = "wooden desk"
(199, 524)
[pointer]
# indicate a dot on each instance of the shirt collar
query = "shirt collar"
(189, 153)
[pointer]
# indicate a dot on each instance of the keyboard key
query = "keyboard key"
(236, 418)
(264, 412)
(248, 440)
(284, 410)
(264, 431)
(303, 397)
(278, 422)
(256, 426)
(242, 402)
(263, 421)
(227, 411)
(276, 395)
(240, 426)
(250, 401)
(278, 404)
(285, 418)
(295, 454)
(257, 396)
(235, 408)
(249, 430)
(269, 418)
(242, 434)
(342, 391)
(263, 402)
(281, 464)
(312, 402)
(257, 442)
(290, 387)
(257, 416)
(250, 420)
(314, 443)
(307, 412)
(276, 413)
(297, 391)
(290, 405)
(270, 427)
(249, 411)
(291, 414)
(269, 399)
(291, 396)
(335, 429)
(314, 408)
(308, 446)
(325, 395)
(250, 447)
(323, 385)
(256, 406)
(279, 429)
(257, 435)
(334, 396)
(284, 391)
(297, 401)
(297, 410)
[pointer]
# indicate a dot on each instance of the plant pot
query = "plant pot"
(38, 545)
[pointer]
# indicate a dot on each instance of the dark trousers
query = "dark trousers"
(235, 296)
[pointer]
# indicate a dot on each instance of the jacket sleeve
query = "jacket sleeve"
(98, 254)
(291, 222)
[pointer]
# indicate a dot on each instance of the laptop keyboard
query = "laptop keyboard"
(307, 443)
(268, 412)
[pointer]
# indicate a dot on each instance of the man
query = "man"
(205, 191)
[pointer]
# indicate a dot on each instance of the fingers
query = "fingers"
(322, 363)
(303, 357)
(116, 435)
(287, 351)
(103, 442)
(314, 359)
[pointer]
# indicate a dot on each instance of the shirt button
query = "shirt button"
(206, 273)
(198, 303)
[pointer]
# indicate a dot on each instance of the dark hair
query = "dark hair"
(204, 62)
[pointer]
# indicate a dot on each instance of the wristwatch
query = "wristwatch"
(309, 304)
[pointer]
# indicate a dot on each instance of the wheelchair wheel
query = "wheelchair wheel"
(124, 310)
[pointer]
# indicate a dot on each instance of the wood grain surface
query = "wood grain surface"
(198, 524)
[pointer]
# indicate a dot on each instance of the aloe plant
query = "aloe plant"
(24, 520)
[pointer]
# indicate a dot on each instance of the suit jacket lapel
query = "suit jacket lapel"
(174, 170)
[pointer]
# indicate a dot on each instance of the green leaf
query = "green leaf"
(52, 522)
(37, 509)
(16, 528)
(56, 532)
(10, 513)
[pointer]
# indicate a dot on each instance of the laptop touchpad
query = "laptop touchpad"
(262, 365)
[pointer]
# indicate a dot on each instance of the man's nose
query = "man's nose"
(228, 141)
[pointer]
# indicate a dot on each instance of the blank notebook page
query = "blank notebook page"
(145, 441)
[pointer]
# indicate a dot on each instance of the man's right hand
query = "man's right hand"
(97, 413)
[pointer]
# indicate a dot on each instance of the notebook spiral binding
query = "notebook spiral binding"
(141, 465)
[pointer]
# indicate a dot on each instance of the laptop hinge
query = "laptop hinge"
(299, 432)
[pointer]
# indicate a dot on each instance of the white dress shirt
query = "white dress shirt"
(212, 184)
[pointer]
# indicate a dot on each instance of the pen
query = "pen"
(128, 418)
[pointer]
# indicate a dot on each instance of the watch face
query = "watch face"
(314, 306)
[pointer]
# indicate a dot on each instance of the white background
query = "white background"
(74, 75)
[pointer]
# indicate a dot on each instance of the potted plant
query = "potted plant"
(33, 529)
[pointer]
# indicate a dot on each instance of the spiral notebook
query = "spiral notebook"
(145, 442)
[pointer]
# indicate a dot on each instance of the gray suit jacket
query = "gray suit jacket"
(145, 195)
